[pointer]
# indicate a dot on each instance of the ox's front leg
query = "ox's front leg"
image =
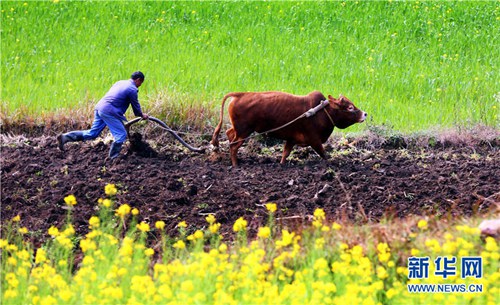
(287, 150)
(318, 148)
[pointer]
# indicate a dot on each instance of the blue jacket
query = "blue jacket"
(119, 97)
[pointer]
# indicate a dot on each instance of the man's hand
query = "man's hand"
(145, 116)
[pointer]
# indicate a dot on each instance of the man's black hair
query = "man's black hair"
(137, 74)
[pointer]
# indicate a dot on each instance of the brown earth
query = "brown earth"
(364, 180)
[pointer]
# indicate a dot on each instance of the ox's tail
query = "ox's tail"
(215, 136)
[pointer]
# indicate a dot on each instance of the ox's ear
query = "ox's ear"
(334, 100)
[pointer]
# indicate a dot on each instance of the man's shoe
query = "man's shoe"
(114, 151)
(61, 140)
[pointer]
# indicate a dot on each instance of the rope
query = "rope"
(331, 120)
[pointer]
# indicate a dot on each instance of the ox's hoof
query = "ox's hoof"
(213, 148)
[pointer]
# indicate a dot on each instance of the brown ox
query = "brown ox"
(264, 111)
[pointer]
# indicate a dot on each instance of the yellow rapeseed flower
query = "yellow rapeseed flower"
(336, 226)
(143, 226)
(64, 241)
(23, 255)
(240, 225)
(449, 247)
(135, 211)
(468, 230)
(198, 234)
(23, 230)
(384, 257)
(11, 247)
(422, 224)
(382, 273)
(160, 225)
(53, 231)
(107, 203)
(264, 232)
(87, 244)
(179, 244)
(320, 264)
(200, 298)
(222, 248)
(491, 244)
(62, 263)
(286, 239)
(110, 189)
(317, 223)
(383, 248)
(319, 243)
(214, 228)
(70, 200)
(182, 224)
(41, 256)
(123, 210)
(88, 260)
(187, 286)
(433, 245)
(65, 295)
(319, 214)
(391, 293)
(69, 231)
(12, 261)
(357, 251)
(210, 218)
(384, 252)
(94, 222)
(126, 250)
(10, 294)
(149, 252)
(271, 207)
(16, 218)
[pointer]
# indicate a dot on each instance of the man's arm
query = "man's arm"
(136, 107)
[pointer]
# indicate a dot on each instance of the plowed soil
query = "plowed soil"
(362, 181)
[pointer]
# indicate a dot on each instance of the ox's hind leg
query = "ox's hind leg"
(287, 150)
(235, 143)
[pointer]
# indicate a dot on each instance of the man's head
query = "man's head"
(138, 78)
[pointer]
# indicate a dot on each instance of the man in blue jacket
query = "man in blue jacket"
(110, 111)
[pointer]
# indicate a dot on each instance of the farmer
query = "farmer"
(110, 112)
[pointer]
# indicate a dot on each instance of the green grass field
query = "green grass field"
(412, 66)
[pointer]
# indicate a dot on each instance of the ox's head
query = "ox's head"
(344, 113)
